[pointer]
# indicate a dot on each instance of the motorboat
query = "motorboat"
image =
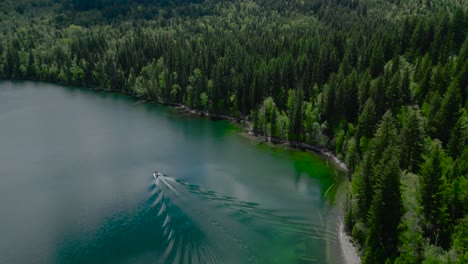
(157, 174)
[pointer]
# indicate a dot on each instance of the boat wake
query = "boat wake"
(228, 229)
(184, 223)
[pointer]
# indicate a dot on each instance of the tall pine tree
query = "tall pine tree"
(432, 188)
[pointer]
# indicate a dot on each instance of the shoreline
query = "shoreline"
(325, 153)
(348, 249)
(296, 145)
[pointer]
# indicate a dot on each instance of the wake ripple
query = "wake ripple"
(195, 232)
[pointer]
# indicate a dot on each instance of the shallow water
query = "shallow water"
(76, 186)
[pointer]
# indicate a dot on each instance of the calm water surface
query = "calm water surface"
(76, 186)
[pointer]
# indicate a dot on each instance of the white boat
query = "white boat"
(157, 174)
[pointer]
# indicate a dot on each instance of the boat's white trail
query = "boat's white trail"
(201, 226)
(167, 184)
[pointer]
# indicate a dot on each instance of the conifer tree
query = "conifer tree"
(385, 213)
(432, 188)
(448, 115)
(385, 136)
(458, 136)
(366, 122)
(412, 141)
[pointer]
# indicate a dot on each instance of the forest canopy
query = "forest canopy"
(382, 84)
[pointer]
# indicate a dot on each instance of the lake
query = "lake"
(77, 186)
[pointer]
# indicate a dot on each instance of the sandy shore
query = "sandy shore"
(349, 251)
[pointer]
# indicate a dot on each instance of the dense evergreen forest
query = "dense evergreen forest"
(382, 83)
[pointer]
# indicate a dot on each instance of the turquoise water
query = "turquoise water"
(76, 186)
